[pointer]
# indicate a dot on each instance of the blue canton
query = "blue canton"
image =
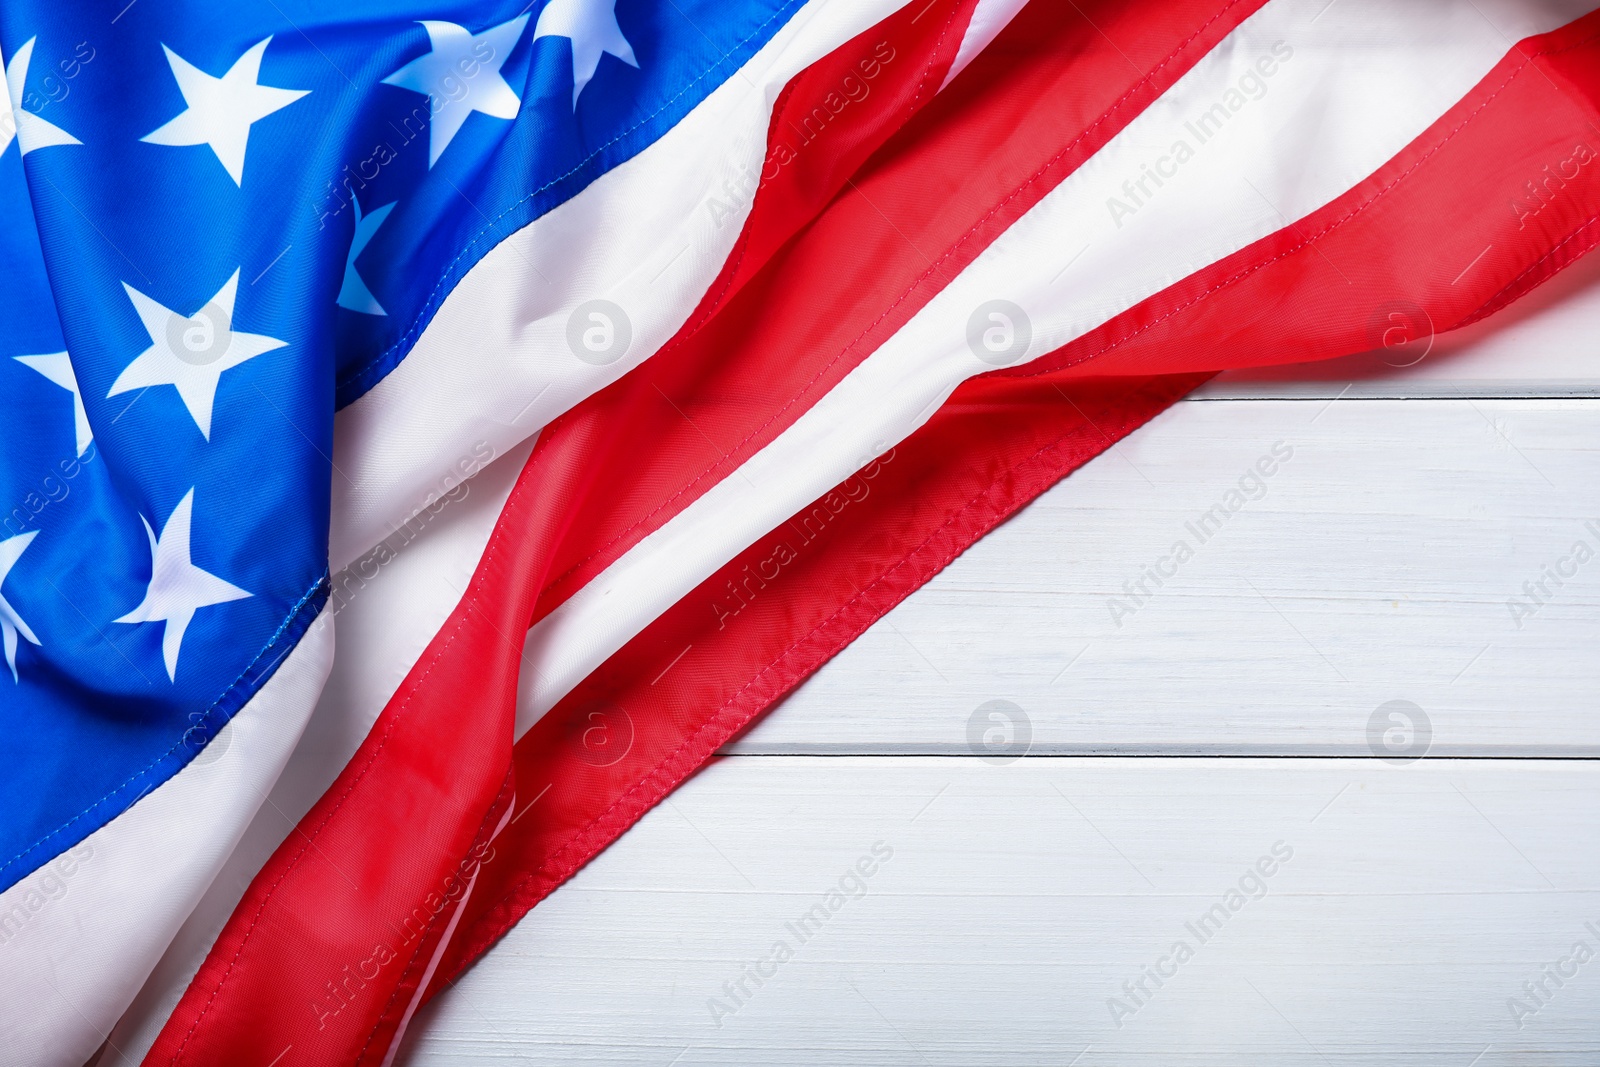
(218, 224)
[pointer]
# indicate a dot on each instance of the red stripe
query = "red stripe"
(960, 484)
(698, 675)
(252, 1007)
(1443, 234)
(659, 708)
(825, 124)
(321, 958)
(1046, 95)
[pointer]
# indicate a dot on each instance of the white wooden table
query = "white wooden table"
(1031, 910)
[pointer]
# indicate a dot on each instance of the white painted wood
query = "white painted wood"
(1019, 898)
(1419, 899)
(1377, 566)
(1544, 345)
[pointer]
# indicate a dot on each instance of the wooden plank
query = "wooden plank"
(1375, 566)
(1378, 563)
(1544, 345)
(1413, 904)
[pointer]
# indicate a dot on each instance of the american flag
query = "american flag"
(596, 369)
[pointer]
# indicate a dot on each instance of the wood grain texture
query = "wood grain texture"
(1376, 564)
(1414, 903)
(1241, 705)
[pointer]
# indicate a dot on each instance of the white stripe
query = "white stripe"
(90, 935)
(988, 19)
(649, 236)
(398, 449)
(920, 365)
(1365, 77)
(387, 614)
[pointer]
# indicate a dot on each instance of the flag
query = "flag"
(661, 349)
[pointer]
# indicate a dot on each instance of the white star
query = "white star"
(58, 368)
(177, 587)
(222, 110)
(591, 26)
(11, 623)
(190, 352)
(354, 294)
(31, 131)
(452, 93)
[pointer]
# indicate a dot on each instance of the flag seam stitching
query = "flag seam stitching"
(283, 627)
